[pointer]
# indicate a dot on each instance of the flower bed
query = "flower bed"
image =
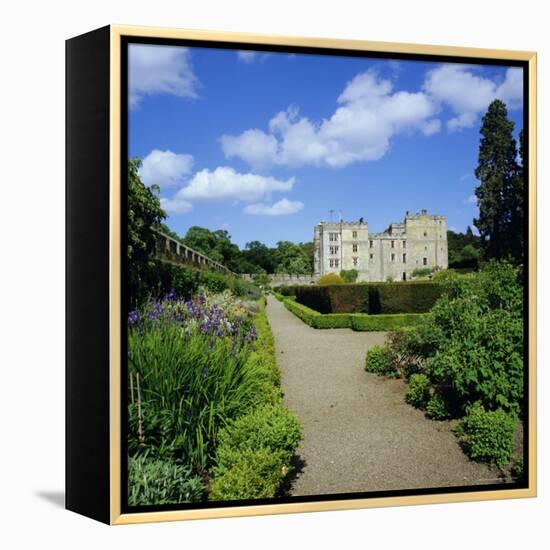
(194, 367)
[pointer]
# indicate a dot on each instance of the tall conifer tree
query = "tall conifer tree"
(497, 192)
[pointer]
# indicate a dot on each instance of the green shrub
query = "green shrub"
(254, 454)
(420, 272)
(161, 482)
(373, 323)
(373, 298)
(349, 275)
(258, 473)
(482, 358)
(487, 436)
(419, 390)
(471, 342)
(403, 297)
(270, 426)
(517, 469)
(379, 361)
(390, 279)
(331, 279)
(287, 290)
(266, 386)
(315, 297)
(244, 289)
(410, 345)
(214, 282)
(436, 408)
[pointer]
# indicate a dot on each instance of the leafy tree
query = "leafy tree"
(260, 257)
(292, 258)
(349, 275)
(261, 280)
(464, 249)
(498, 197)
(144, 213)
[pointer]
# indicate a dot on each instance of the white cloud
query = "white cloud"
(283, 207)
(253, 146)
(246, 55)
(176, 206)
(468, 94)
(159, 69)
(472, 199)
(165, 168)
(511, 90)
(225, 184)
(360, 129)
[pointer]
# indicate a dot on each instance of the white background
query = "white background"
(32, 273)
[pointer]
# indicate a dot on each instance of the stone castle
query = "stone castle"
(420, 241)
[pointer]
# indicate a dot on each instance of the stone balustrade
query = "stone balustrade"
(174, 250)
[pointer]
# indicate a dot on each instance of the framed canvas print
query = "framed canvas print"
(300, 274)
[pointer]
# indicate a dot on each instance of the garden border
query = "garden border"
(356, 321)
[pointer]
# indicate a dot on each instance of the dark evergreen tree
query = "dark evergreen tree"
(500, 204)
(518, 219)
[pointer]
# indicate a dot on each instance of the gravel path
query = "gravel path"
(359, 434)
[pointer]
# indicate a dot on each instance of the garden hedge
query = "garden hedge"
(254, 451)
(355, 321)
(371, 298)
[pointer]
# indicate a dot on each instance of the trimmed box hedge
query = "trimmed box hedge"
(371, 298)
(355, 321)
(287, 290)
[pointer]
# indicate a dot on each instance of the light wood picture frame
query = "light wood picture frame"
(97, 155)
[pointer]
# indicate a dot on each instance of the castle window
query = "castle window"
(333, 237)
(336, 263)
(424, 261)
(331, 263)
(404, 258)
(334, 249)
(371, 256)
(425, 233)
(404, 244)
(354, 234)
(393, 244)
(371, 243)
(355, 248)
(393, 257)
(354, 261)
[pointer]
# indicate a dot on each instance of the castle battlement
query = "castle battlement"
(420, 241)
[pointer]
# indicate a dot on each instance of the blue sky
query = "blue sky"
(266, 144)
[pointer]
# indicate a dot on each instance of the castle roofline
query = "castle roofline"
(423, 214)
(338, 224)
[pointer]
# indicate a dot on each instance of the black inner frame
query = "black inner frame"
(125, 42)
